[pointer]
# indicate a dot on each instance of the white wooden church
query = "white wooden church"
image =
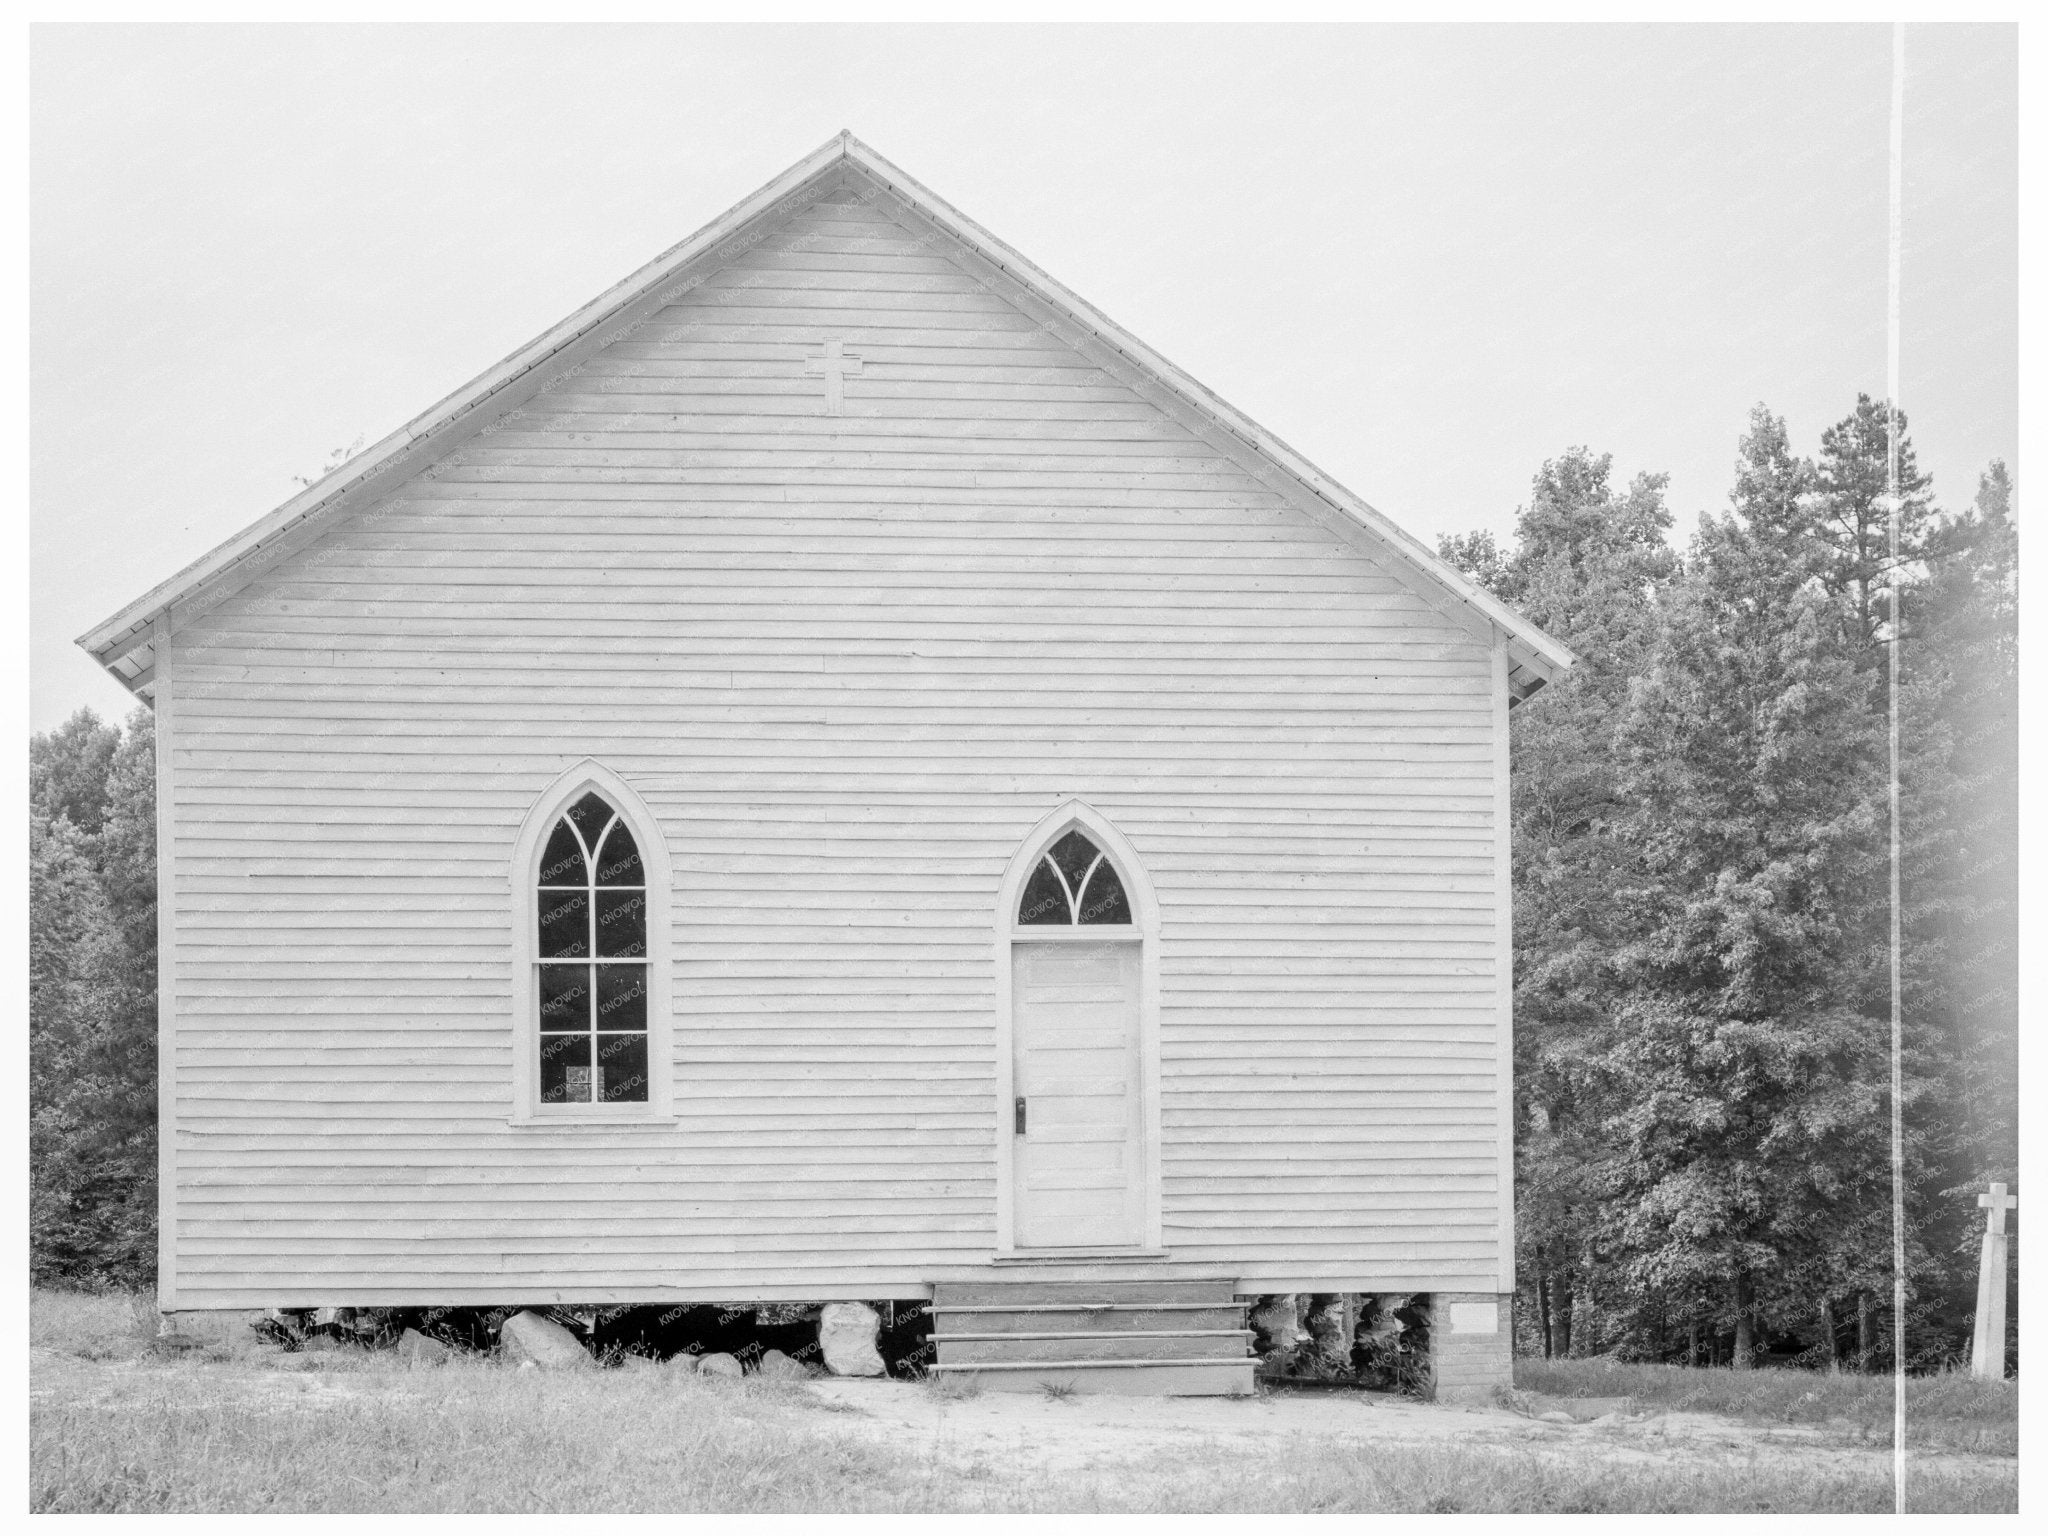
(838, 773)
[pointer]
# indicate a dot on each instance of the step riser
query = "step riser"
(1196, 1347)
(984, 1292)
(1084, 1320)
(1230, 1380)
(1130, 1338)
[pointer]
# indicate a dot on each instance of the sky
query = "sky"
(1429, 258)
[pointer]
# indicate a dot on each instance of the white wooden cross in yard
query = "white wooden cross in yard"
(1987, 1345)
(836, 365)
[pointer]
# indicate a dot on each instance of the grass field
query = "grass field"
(1950, 1412)
(114, 1427)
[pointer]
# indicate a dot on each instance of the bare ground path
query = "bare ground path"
(1034, 1431)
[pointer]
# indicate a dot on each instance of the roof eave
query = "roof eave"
(1552, 651)
(104, 640)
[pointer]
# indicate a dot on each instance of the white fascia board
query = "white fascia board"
(324, 496)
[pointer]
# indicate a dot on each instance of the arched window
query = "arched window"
(591, 981)
(1073, 884)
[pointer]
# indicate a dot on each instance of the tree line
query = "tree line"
(1702, 906)
(92, 1004)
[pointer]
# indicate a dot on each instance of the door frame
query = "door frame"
(1071, 816)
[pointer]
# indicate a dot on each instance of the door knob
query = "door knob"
(1020, 1116)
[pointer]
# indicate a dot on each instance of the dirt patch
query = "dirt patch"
(1029, 1430)
(1034, 1432)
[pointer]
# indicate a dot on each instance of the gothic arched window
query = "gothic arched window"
(1074, 883)
(590, 959)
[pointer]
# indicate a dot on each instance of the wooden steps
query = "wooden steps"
(1169, 1338)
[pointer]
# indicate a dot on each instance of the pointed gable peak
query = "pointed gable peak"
(842, 170)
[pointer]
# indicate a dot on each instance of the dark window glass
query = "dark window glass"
(1044, 903)
(621, 923)
(622, 997)
(564, 997)
(622, 1069)
(1074, 853)
(564, 924)
(618, 861)
(1097, 889)
(593, 1015)
(565, 1069)
(563, 863)
(590, 814)
(1104, 901)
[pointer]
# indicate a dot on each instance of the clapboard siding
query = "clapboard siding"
(848, 662)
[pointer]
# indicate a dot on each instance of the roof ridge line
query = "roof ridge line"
(1260, 439)
(390, 452)
(460, 402)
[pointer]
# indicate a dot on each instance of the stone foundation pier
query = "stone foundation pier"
(1471, 1345)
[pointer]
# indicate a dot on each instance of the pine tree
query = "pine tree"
(1960, 793)
(1748, 1060)
(1962, 677)
(1851, 517)
(1702, 996)
(1586, 565)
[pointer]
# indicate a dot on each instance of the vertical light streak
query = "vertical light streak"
(1898, 143)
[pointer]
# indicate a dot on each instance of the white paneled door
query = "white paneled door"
(1077, 1127)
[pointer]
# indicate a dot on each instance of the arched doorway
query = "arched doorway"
(1077, 1041)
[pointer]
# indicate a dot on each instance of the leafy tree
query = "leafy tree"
(71, 946)
(92, 1007)
(127, 848)
(1478, 556)
(67, 770)
(92, 1202)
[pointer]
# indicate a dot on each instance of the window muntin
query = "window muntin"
(1073, 884)
(591, 960)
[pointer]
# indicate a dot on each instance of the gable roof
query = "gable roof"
(126, 642)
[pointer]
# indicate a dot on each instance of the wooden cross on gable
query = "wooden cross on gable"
(1995, 1205)
(837, 364)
